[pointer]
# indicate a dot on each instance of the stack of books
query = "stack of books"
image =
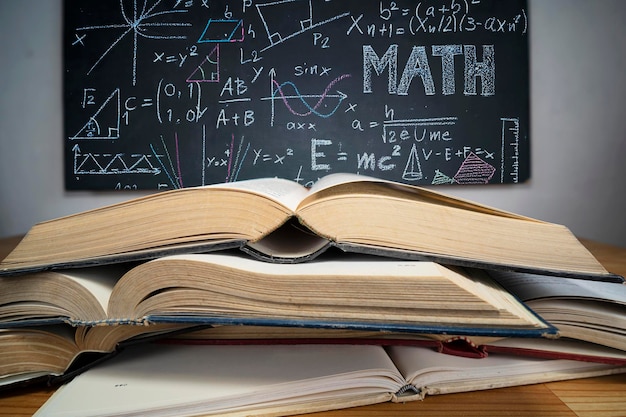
(265, 297)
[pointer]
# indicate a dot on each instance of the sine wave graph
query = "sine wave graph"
(323, 105)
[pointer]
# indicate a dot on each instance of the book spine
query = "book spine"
(369, 326)
(110, 322)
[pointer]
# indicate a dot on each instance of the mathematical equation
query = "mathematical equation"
(177, 93)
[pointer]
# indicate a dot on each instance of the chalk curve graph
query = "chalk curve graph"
(279, 94)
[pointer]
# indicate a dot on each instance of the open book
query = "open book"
(586, 310)
(282, 221)
(52, 354)
(356, 292)
(174, 380)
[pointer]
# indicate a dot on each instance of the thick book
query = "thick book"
(585, 313)
(173, 380)
(279, 220)
(357, 292)
(53, 354)
(586, 310)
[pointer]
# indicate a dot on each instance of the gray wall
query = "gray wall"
(578, 108)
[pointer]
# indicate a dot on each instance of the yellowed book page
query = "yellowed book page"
(335, 179)
(353, 288)
(35, 351)
(285, 192)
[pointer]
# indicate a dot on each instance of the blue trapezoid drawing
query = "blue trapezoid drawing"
(223, 30)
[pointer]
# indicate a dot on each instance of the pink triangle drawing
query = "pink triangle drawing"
(474, 171)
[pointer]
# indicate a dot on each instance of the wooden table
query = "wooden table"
(592, 397)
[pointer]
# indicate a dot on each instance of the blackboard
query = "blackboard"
(163, 94)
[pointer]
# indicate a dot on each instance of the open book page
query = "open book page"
(593, 321)
(286, 192)
(98, 281)
(532, 286)
(434, 197)
(80, 295)
(581, 309)
(191, 379)
(591, 314)
(353, 290)
(436, 373)
(368, 267)
(332, 180)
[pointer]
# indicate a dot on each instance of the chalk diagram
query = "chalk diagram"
(105, 122)
(413, 168)
(172, 169)
(222, 30)
(278, 30)
(236, 159)
(112, 163)
(301, 19)
(510, 148)
(209, 69)
(169, 161)
(216, 31)
(297, 103)
(137, 23)
(473, 169)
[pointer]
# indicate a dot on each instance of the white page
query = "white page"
(348, 265)
(214, 378)
(99, 280)
(342, 178)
